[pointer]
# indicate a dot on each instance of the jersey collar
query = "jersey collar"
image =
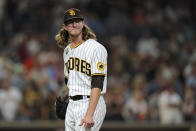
(76, 45)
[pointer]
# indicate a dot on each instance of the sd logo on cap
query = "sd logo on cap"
(71, 12)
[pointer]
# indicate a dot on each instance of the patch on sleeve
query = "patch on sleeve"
(100, 66)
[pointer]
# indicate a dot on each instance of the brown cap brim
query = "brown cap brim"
(73, 18)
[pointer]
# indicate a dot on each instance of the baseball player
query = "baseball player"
(85, 72)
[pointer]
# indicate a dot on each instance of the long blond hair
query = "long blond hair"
(62, 37)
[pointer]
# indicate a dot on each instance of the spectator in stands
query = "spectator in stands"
(115, 102)
(147, 45)
(10, 98)
(189, 106)
(191, 78)
(136, 107)
(169, 103)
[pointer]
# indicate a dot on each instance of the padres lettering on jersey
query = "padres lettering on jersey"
(79, 65)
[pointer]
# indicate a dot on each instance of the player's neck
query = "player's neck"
(76, 40)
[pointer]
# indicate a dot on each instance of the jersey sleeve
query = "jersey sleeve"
(65, 68)
(65, 73)
(99, 61)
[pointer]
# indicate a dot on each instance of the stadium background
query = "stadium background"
(152, 62)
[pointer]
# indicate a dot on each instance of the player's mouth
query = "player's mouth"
(75, 29)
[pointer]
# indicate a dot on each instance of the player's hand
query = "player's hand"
(87, 121)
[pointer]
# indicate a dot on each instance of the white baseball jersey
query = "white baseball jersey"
(81, 63)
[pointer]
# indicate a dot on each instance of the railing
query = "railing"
(58, 125)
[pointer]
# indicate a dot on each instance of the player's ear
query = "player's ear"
(64, 27)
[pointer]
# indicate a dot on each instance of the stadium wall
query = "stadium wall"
(107, 126)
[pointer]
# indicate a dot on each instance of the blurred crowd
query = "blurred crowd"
(151, 64)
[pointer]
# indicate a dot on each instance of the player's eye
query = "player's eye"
(68, 22)
(77, 20)
(72, 21)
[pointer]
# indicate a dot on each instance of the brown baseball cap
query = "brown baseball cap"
(72, 14)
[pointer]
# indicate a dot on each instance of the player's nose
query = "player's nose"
(74, 23)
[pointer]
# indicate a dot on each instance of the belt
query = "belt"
(78, 97)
